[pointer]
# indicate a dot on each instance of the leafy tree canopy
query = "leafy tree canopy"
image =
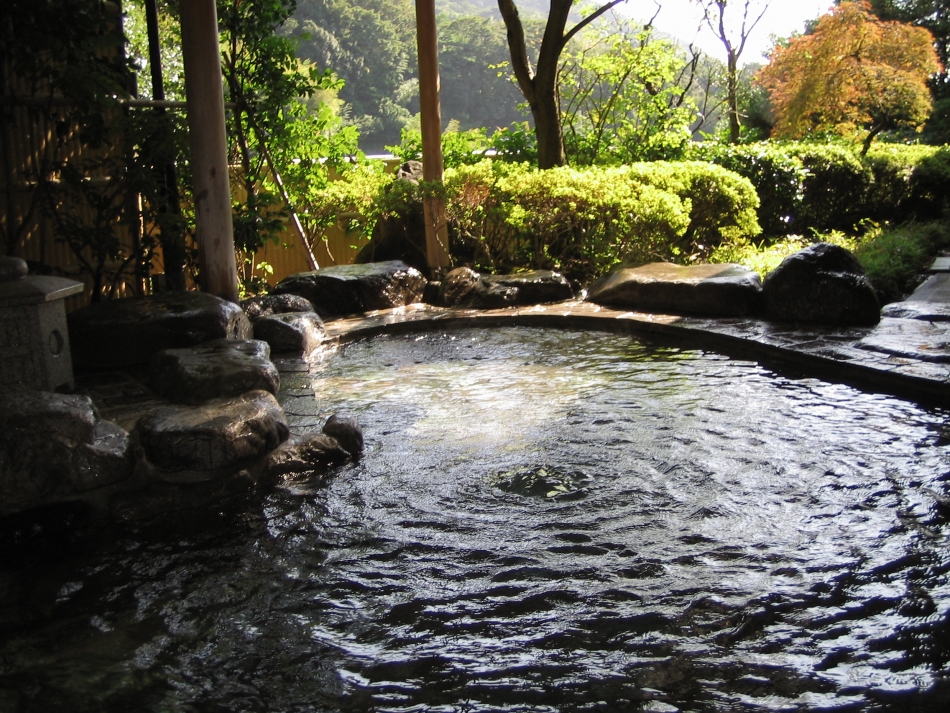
(854, 72)
(933, 15)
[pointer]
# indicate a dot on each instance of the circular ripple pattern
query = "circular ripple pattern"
(728, 539)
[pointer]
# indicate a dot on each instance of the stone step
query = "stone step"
(940, 264)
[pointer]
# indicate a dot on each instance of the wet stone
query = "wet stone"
(910, 338)
(347, 433)
(297, 332)
(126, 332)
(257, 307)
(350, 289)
(534, 287)
(463, 287)
(223, 367)
(305, 454)
(918, 309)
(821, 283)
(719, 290)
(55, 446)
(194, 443)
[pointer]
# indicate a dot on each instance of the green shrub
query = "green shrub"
(930, 186)
(583, 222)
(894, 258)
(477, 209)
(835, 189)
(722, 204)
(513, 216)
(808, 187)
(778, 178)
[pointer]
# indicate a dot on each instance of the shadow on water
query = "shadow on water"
(542, 521)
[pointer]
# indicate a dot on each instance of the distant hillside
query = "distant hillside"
(489, 8)
(371, 45)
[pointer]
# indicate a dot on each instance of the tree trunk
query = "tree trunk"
(732, 92)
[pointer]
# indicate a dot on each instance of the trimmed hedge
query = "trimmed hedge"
(582, 222)
(806, 187)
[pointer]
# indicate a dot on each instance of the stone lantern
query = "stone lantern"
(34, 343)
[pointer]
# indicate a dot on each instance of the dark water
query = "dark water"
(707, 536)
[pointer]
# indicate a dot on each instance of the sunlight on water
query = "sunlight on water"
(542, 521)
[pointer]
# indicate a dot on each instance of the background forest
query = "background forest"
(370, 45)
(666, 153)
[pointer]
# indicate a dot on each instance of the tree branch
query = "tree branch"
(589, 19)
(520, 64)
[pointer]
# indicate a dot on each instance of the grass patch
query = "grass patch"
(894, 257)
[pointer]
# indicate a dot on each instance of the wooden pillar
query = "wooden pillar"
(209, 152)
(437, 239)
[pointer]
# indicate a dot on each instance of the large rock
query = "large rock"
(822, 283)
(714, 290)
(351, 289)
(266, 305)
(459, 286)
(463, 287)
(298, 332)
(195, 443)
(55, 447)
(125, 332)
(400, 237)
(222, 367)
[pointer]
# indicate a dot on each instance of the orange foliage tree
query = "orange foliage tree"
(854, 73)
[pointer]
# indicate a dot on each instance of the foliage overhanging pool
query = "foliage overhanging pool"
(543, 521)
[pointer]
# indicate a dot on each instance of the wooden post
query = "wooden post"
(437, 239)
(204, 91)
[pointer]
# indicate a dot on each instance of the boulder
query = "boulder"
(298, 332)
(347, 432)
(305, 454)
(714, 290)
(458, 286)
(195, 443)
(350, 289)
(55, 447)
(126, 332)
(400, 237)
(463, 287)
(822, 283)
(257, 307)
(222, 367)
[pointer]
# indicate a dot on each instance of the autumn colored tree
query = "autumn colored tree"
(935, 16)
(854, 73)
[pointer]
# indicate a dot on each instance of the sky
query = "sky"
(681, 18)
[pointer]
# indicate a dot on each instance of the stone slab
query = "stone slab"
(910, 338)
(936, 288)
(126, 332)
(720, 290)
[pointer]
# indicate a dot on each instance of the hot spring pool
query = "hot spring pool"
(542, 521)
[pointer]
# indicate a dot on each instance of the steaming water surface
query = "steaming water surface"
(700, 534)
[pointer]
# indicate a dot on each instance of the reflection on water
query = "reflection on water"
(738, 541)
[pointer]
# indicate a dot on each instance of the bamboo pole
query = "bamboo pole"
(437, 252)
(204, 91)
